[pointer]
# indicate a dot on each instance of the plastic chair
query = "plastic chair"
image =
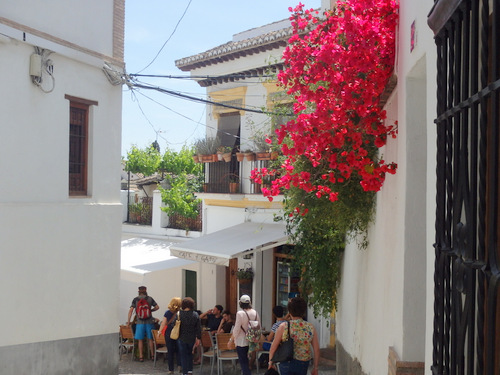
(207, 343)
(126, 334)
(224, 353)
(260, 352)
(160, 346)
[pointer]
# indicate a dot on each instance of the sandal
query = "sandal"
(141, 359)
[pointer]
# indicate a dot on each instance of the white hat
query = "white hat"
(245, 298)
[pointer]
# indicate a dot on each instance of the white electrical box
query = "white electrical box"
(36, 65)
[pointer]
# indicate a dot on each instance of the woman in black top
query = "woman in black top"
(190, 334)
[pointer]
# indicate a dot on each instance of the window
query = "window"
(78, 145)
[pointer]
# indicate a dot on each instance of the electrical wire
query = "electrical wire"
(180, 114)
(164, 44)
(200, 100)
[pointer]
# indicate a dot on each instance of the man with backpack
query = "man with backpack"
(144, 306)
(246, 333)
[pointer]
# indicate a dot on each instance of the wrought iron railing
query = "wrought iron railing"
(466, 337)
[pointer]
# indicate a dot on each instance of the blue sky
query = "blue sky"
(206, 24)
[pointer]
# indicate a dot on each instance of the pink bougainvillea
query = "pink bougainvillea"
(336, 69)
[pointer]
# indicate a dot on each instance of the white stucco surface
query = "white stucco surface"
(385, 298)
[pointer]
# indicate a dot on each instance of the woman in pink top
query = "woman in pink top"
(239, 332)
(305, 341)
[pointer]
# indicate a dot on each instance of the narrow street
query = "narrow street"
(129, 367)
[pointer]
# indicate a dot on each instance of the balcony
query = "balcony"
(232, 177)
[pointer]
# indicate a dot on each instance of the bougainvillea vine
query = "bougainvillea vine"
(336, 69)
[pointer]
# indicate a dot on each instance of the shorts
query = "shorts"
(143, 329)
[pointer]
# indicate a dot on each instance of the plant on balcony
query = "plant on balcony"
(234, 183)
(207, 148)
(244, 275)
(225, 153)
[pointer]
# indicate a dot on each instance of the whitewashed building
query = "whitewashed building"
(423, 297)
(60, 207)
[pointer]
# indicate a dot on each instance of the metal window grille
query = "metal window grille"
(78, 129)
(466, 337)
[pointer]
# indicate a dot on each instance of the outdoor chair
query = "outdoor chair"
(127, 340)
(160, 346)
(260, 352)
(211, 351)
(224, 353)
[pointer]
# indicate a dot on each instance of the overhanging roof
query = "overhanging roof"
(143, 255)
(219, 247)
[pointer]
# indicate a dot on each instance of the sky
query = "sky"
(184, 28)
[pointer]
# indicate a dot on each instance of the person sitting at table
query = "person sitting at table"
(278, 313)
(214, 317)
(227, 322)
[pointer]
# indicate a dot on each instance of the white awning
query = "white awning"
(220, 246)
(143, 255)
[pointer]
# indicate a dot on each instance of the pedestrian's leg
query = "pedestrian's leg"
(183, 349)
(141, 348)
(151, 349)
(171, 347)
(243, 358)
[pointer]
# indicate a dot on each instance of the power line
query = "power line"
(204, 77)
(205, 101)
(164, 44)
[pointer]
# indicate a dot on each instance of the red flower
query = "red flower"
(336, 73)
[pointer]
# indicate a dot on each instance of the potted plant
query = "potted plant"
(249, 155)
(207, 149)
(261, 145)
(234, 183)
(224, 153)
(244, 275)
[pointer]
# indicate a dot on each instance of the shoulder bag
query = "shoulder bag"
(284, 352)
(174, 334)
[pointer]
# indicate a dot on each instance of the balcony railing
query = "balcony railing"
(227, 177)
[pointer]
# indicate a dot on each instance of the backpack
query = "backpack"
(254, 331)
(142, 309)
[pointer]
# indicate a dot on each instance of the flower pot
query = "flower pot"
(234, 187)
(240, 156)
(249, 156)
(245, 281)
(219, 156)
(226, 157)
(274, 155)
(263, 155)
(208, 158)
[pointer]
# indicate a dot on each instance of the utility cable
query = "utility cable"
(164, 44)
(205, 101)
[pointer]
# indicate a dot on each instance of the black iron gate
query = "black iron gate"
(466, 337)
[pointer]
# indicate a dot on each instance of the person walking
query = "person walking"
(304, 337)
(143, 305)
(168, 322)
(190, 334)
(240, 329)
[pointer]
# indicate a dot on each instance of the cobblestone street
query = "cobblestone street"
(129, 367)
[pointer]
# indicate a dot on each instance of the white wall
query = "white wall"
(60, 255)
(388, 287)
(71, 18)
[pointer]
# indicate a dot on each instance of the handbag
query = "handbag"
(165, 327)
(174, 334)
(284, 352)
